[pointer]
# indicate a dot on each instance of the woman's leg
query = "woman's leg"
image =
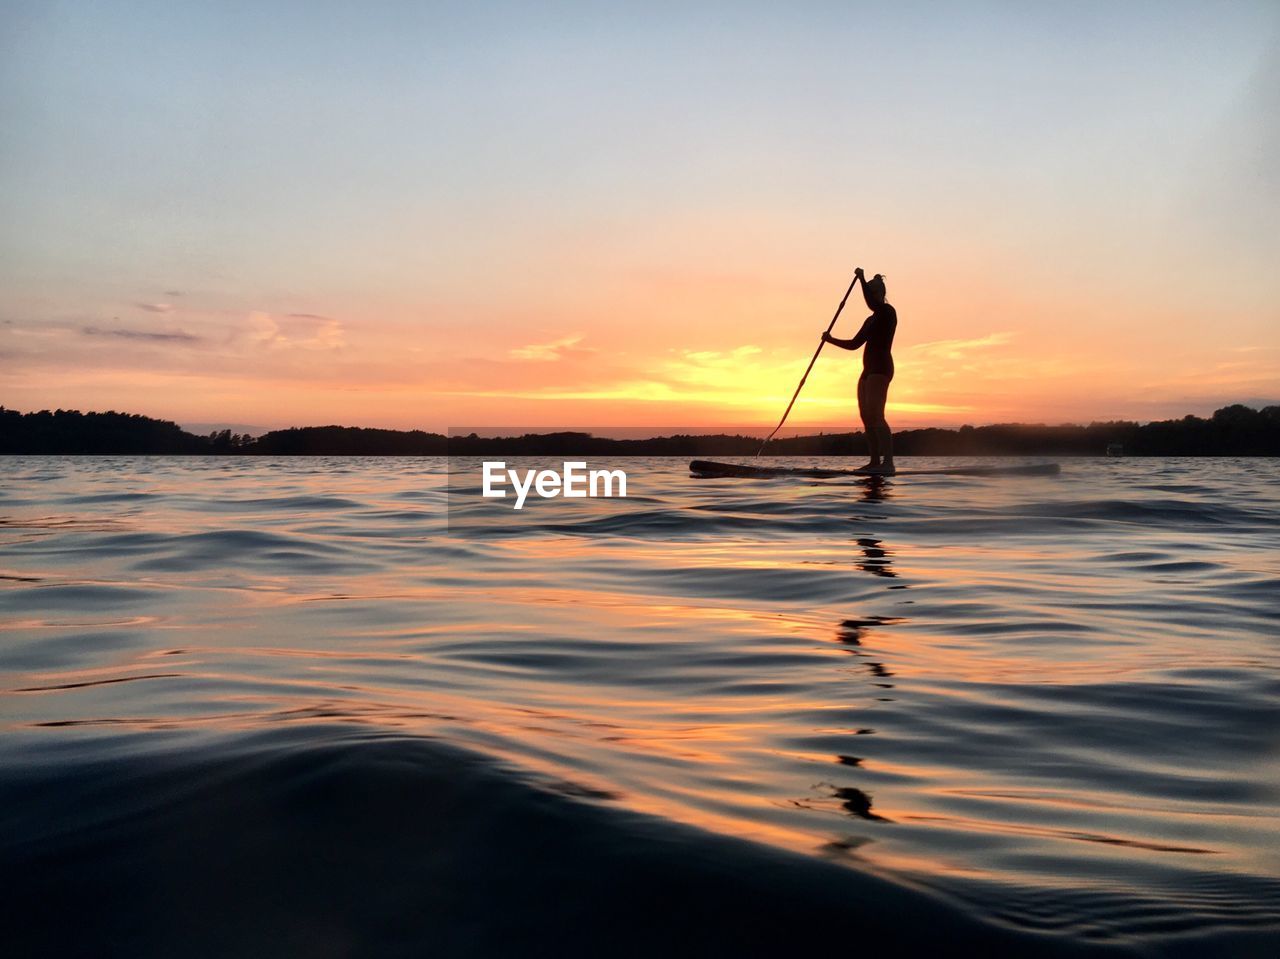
(868, 430)
(873, 394)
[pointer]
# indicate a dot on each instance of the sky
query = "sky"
(430, 215)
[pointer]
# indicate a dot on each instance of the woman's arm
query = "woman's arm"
(853, 344)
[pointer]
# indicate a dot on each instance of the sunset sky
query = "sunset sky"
(429, 215)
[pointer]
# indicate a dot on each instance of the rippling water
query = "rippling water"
(343, 706)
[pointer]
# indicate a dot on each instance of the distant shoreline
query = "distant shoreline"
(1232, 431)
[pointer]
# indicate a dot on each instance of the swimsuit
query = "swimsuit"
(877, 332)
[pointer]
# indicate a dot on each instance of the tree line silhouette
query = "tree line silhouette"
(1235, 430)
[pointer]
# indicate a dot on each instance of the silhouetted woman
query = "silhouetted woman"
(876, 340)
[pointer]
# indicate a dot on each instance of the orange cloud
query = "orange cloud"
(555, 350)
(293, 330)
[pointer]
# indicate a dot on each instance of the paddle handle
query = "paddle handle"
(821, 343)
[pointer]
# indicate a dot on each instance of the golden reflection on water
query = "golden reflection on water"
(864, 687)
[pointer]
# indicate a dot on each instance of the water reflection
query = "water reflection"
(857, 803)
(875, 489)
(712, 653)
(875, 559)
(854, 801)
(852, 633)
(870, 489)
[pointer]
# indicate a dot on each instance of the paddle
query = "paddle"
(821, 343)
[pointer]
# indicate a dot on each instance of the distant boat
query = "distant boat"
(1115, 449)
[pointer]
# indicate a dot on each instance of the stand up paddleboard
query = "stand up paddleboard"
(706, 469)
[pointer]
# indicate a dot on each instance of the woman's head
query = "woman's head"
(873, 291)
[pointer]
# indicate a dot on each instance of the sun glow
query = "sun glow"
(661, 244)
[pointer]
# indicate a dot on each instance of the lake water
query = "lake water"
(344, 706)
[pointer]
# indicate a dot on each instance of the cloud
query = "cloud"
(737, 371)
(566, 346)
(957, 349)
(178, 336)
(173, 293)
(155, 307)
(308, 331)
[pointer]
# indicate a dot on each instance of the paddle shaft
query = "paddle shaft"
(821, 343)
